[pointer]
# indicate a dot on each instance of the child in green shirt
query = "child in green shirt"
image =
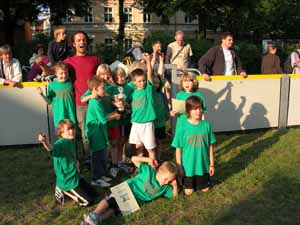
(143, 113)
(104, 72)
(60, 94)
(123, 93)
(194, 142)
(66, 166)
(149, 184)
(189, 86)
(96, 131)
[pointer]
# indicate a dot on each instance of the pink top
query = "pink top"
(81, 69)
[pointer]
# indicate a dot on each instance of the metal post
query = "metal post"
(284, 101)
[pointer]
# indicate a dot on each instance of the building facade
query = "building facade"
(102, 23)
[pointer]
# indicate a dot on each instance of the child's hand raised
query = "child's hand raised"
(146, 57)
(41, 137)
(153, 163)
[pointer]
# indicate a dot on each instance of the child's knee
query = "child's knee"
(188, 191)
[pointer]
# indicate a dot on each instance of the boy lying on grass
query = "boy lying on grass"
(149, 184)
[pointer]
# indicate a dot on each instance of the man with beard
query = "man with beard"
(81, 67)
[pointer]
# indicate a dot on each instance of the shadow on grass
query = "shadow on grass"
(277, 203)
(246, 155)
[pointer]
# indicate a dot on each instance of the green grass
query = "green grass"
(257, 182)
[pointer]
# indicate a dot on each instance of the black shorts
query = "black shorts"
(125, 130)
(196, 182)
(160, 133)
(83, 194)
(112, 203)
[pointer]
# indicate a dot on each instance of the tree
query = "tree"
(25, 10)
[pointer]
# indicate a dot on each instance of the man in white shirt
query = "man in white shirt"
(10, 68)
(221, 60)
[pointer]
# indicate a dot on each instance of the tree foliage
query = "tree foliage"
(255, 19)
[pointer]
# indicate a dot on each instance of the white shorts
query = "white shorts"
(143, 133)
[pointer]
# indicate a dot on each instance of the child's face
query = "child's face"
(140, 82)
(105, 76)
(68, 132)
(120, 79)
(166, 179)
(62, 75)
(100, 90)
(196, 113)
(61, 36)
(6, 57)
(187, 85)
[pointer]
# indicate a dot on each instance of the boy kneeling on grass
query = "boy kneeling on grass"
(66, 166)
(149, 184)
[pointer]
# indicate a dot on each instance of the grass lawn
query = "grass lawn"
(257, 182)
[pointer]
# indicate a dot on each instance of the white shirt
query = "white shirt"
(229, 69)
(295, 59)
(12, 71)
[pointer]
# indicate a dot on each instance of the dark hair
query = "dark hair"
(156, 42)
(38, 46)
(193, 102)
(80, 32)
(224, 35)
(60, 126)
(94, 81)
(137, 72)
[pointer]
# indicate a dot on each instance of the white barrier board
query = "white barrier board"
(22, 115)
(242, 104)
(294, 102)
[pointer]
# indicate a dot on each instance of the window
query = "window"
(147, 18)
(128, 15)
(89, 17)
(108, 14)
(67, 19)
(188, 19)
(108, 43)
(127, 43)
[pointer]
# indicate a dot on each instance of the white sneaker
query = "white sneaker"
(113, 172)
(100, 183)
(107, 179)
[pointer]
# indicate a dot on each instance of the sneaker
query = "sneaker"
(113, 172)
(107, 179)
(91, 219)
(100, 183)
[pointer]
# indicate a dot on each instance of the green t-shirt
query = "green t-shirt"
(160, 110)
(107, 102)
(194, 142)
(64, 162)
(182, 95)
(145, 187)
(143, 105)
(61, 95)
(96, 125)
(128, 91)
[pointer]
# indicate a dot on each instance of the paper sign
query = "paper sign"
(125, 198)
(178, 105)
